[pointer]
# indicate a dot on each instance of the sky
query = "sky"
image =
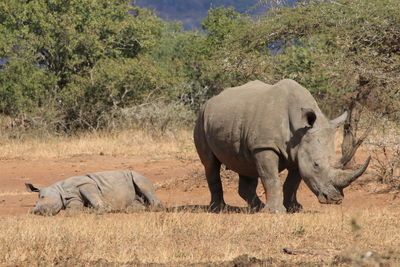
(192, 12)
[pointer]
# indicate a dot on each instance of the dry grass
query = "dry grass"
(125, 143)
(159, 237)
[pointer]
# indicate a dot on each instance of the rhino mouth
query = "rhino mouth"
(44, 211)
(326, 194)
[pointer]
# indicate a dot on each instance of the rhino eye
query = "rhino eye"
(316, 165)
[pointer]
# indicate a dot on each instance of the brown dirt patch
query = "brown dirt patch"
(178, 182)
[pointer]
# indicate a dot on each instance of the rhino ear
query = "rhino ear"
(309, 116)
(31, 188)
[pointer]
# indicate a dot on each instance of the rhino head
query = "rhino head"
(50, 201)
(316, 159)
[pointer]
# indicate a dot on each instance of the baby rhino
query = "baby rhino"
(106, 191)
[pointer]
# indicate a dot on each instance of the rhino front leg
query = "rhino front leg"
(74, 207)
(290, 187)
(91, 196)
(267, 162)
(136, 206)
(247, 191)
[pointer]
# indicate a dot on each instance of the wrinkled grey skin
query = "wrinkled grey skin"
(106, 191)
(258, 130)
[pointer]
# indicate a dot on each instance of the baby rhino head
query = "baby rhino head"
(50, 201)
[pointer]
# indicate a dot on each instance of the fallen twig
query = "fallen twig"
(305, 251)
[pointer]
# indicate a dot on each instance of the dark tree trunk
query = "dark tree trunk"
(350, 141)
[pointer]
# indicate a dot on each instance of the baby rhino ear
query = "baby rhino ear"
(31, 188)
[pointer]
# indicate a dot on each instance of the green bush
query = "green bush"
(83, 56)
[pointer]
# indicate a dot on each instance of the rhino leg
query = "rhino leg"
(212, 167)
(74, 207)
(247, 191)
(145, 188)
(215, 185)
(136, 206)
(290, 187)
(267, 162)
(91, 197)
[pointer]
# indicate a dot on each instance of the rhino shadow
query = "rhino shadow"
(227, 210)
(206, 209)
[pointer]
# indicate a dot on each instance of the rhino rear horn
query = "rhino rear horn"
(339, 120)
(347, 177)
(31, 188)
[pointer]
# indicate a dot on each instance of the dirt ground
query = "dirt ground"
(178, 183)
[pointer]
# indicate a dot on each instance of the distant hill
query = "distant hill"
(191, 12)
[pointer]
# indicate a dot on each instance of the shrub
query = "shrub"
(385, 147)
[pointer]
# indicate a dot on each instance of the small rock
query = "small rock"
(369, 254)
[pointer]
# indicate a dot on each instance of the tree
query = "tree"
(220, 23)
(67, 41)
(345, 52)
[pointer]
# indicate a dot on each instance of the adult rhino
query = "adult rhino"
(258, 130)
(106, 191)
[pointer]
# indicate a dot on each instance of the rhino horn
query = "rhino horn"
(347, 177)
(339, 120)
(348, 155)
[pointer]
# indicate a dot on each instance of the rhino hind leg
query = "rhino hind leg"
(215, 185)
(290, 187)
(145, 190)
(212, 166)
(247, 191)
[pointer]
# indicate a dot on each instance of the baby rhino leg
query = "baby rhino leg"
(91, 196)
(74, 207)
(136, 206)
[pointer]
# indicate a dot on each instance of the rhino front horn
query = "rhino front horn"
(347, 177)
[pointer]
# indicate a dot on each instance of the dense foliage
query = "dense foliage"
(76, 59)
(81, 64)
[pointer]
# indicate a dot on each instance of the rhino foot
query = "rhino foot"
(70, 212)
(217, 207)
(102, 208)
(274, 209)
(293, 207)
(256, 208)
